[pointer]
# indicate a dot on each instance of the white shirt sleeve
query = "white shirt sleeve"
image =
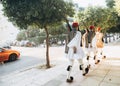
(75, 42)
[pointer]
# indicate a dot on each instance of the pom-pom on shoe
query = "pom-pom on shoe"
(70, 80)
(104, 57)
(97, 62)
(86, 71)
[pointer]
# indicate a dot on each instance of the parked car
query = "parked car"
(8, 55)
(27, 43)
(7, 47)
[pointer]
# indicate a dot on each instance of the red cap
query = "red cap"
(98, 29)
(75, 24)
(91, 27)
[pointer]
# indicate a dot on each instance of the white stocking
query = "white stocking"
(82, 65)
(69, 69)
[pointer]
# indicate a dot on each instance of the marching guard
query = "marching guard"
(99, 42)
(87, 39)
(75, 51)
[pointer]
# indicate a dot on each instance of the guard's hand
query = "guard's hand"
(74, 49)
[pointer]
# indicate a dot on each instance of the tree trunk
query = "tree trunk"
(68, 25)
(47, 48)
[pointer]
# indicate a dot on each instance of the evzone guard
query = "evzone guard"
(75, 51)
(98, 43)
(87, 39)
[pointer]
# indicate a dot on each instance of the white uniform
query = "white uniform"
(98, 45)
(87, 46)
(75, 42)
(79, 55)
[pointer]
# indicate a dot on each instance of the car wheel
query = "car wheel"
(12, 57)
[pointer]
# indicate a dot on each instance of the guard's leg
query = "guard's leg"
(102, 53)
(81, 65)
(88, 57)
(88, 60)
(69, 69)
(85, 69)
(95, 51)
(98, 55)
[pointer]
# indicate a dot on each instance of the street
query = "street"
(25, 60)
(29, 57)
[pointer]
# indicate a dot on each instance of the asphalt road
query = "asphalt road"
(30, 57)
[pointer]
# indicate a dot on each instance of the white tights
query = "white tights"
(71, 63)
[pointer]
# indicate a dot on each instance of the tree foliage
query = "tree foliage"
(110, 3)
(114, 5)
(117, 6)
(21, 35)
(99, 17)
(57, 30)
(41, 13)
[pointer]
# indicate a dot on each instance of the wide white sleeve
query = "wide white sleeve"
(75, 41)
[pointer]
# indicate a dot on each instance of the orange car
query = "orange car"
(8, 55)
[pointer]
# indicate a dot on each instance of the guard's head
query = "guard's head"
(98, 29)
(91, 27)
(75, 24)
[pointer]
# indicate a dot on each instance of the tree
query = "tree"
(105, 18)
(57, 30)
(58, 33)
(41, 13)
(114, 5)
(117, 6)
(110, 3)
(99, 17)
(21, 35)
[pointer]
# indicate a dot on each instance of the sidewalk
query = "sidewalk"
(106, 73)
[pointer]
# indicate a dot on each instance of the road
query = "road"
(29, 57)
